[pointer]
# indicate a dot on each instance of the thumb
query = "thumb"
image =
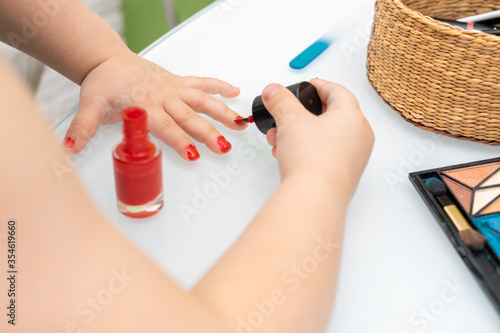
(83, 128)
(282, 104)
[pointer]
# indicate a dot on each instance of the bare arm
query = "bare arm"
(69, 37)
(64, 34)
(68, 253)
(284, 268)
(78, 273)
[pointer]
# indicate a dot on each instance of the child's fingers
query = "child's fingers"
(166, 129)
(198, 128)
(334, 95)
(271, 136)
(212, 107)
(272, 140)
(83, 127)
(282, 104)
(211, 86)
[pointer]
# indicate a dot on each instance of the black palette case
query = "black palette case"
(468, 187)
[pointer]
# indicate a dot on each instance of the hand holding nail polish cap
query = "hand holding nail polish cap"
(334, 146)
(305, 93)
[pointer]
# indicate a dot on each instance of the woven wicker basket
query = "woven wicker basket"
(438, 77)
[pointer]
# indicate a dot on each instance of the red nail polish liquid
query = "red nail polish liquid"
(224, 145)
(137, 164)
(192, 153)
(69, 143)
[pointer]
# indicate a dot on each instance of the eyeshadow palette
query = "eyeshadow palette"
(469, 193)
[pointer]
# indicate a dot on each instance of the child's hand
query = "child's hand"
(172, 101)
(334, 146)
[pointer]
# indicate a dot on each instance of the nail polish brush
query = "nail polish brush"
(472, 238)
(304, 91)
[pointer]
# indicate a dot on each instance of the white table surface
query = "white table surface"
(397, 263)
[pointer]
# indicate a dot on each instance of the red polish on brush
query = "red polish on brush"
(137, 166)
(304, 91)
(240, 119)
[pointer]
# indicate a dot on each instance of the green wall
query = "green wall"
(145, 19)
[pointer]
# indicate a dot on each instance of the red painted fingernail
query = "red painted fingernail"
(224, 145)
(69, 143)
(192, 153)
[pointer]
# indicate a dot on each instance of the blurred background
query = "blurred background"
(147, 20)
(139, 22)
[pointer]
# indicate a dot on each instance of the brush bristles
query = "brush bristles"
(473, 238)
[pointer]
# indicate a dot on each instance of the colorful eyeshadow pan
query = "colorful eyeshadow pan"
(493, 180)
(473, 189)
(484, 197)
(462, 193)
(477, 189)
(472, 176)
(484, 183)
(494, 207)
(489, 226)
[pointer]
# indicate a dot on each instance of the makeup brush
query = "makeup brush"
(472, 238)
(489, 29)
(481, 17)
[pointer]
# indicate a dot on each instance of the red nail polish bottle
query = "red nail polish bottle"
(137, 165)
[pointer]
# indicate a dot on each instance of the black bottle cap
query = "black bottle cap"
(304, 91)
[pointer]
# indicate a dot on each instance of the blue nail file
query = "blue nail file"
(309, 54)
(319, 46)
(313, 51)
